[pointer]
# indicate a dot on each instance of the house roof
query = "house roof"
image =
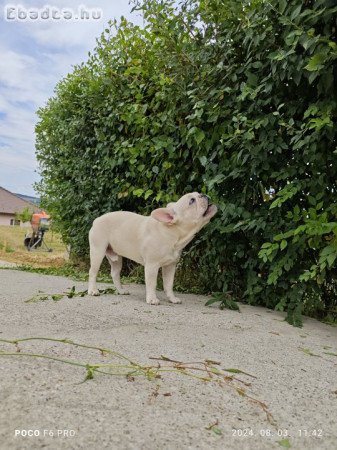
(11, 204)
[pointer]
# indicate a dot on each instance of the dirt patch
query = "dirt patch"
(34, 260)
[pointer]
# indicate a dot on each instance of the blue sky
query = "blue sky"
(34, 56)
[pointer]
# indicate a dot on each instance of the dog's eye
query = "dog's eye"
(192, 201)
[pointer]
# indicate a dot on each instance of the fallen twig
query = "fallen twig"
(42, 296)
(208, 369)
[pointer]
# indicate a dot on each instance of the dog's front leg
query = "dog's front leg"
(168, 278)
(151, 273)
(96, 257)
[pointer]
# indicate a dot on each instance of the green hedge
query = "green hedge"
(236, 99)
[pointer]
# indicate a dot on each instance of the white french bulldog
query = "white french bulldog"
(154, 241)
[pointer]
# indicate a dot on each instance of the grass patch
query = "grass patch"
(75, 273)
(12, 248)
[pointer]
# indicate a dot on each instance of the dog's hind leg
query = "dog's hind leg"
(168, 278)
(116, 263)
(96, 258)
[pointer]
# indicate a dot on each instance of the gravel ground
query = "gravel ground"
(294, 374)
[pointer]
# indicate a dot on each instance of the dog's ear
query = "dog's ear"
(165, 215)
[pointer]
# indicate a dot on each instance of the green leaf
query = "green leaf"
(233, 370)
(203, 160)
(148, 193)
(282, 5)
(212, 301)
(226, 302)
(72, 292)
(138, 192)
(285, 443)
(283, 244)
(315, 62)
(214, 181)
(295, 12)
(199, 136)
(331, 259)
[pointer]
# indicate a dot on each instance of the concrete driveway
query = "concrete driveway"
(287, 395)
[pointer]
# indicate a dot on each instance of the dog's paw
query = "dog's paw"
(153, 301)
(175, 300)
(94, 292)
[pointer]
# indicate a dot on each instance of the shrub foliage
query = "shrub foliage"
(236, 99)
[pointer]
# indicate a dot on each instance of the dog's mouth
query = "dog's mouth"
(209, 210)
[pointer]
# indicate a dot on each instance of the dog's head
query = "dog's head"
(191, 209)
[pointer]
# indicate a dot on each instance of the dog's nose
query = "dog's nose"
(204, 196)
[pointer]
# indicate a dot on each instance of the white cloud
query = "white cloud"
(12, 161)
(11, 74)
(21, 78)
(78, 34)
